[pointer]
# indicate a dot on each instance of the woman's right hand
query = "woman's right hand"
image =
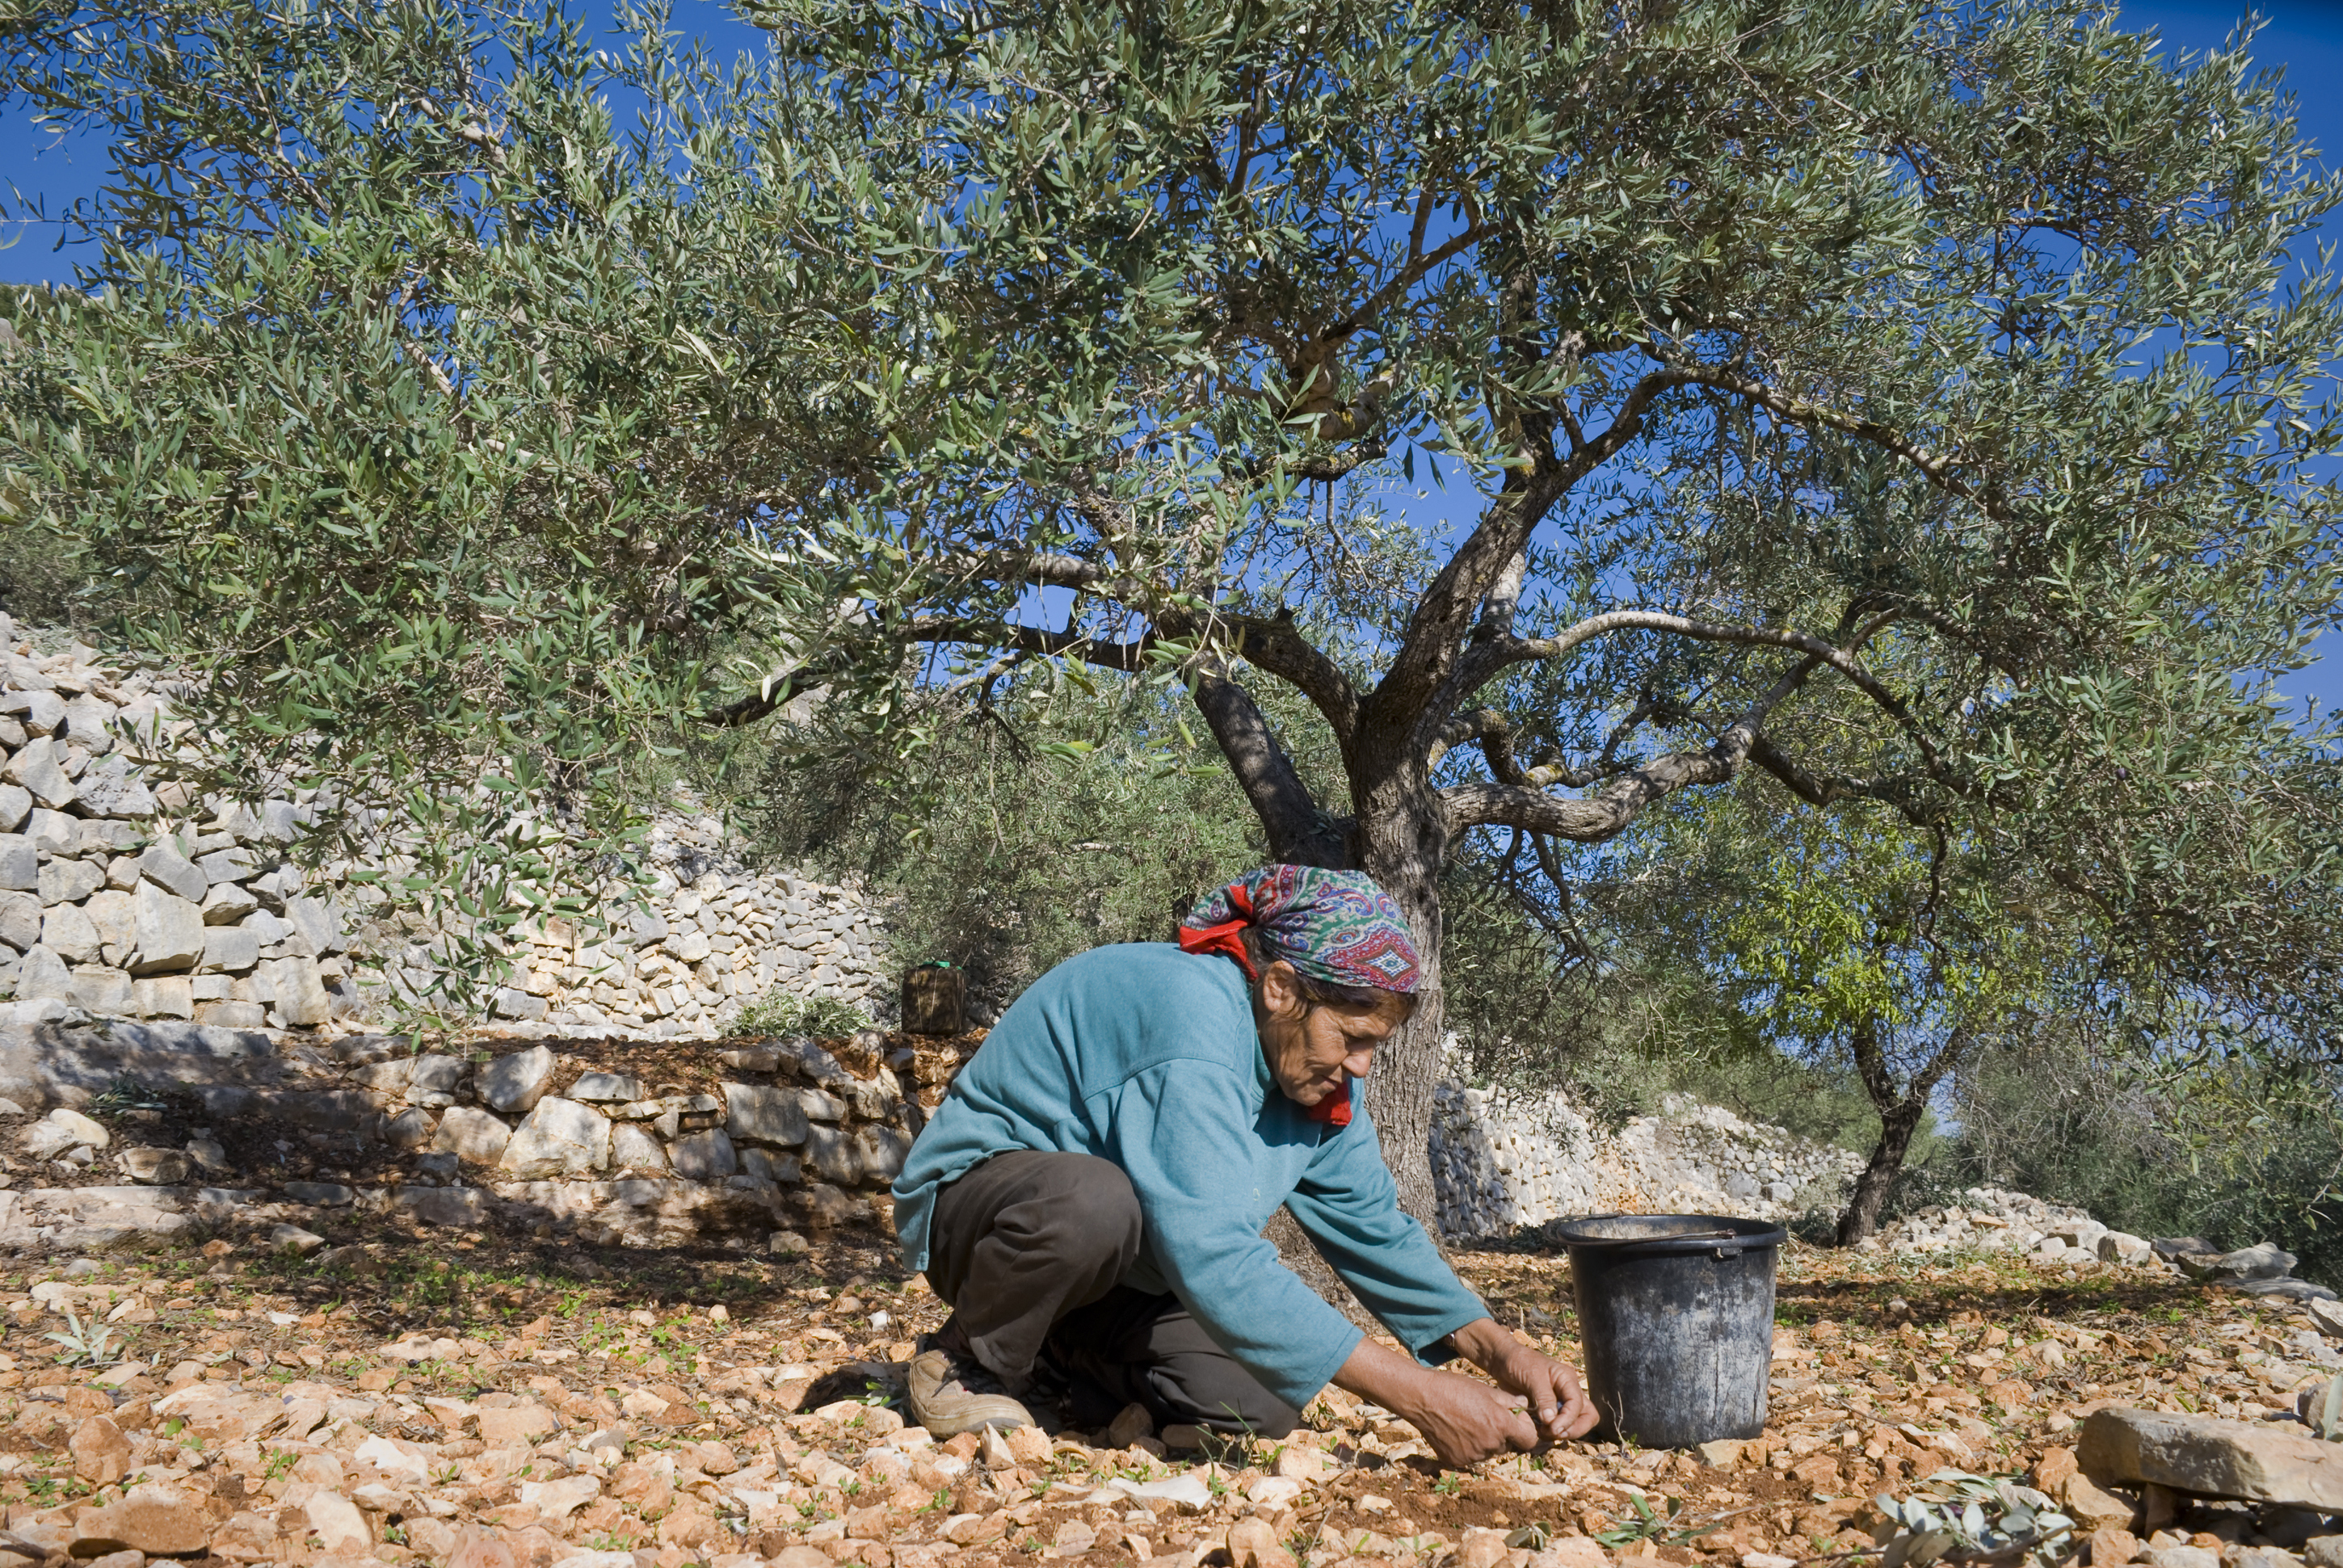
(1466, 1421)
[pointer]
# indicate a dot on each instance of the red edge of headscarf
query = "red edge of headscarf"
(1334, 1111)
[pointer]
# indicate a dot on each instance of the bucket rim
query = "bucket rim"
(1747, 1235)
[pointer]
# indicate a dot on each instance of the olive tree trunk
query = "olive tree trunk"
(1901, 1107)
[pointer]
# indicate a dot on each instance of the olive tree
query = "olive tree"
(1906, 402)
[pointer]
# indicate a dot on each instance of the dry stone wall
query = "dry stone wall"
(123, 893)
(769, 1141)
(1502, 1161)
(1498, 1163)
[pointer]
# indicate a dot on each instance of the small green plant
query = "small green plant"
(1649, 1524)
(1967, 1517)
(819, 1016)
(124, 1094)
(279, 1463)
(84, 1345)
(1449, 1485)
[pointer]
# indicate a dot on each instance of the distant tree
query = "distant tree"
(1850, 939)
(1905, 400)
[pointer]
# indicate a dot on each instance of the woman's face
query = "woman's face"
(1315, 1049)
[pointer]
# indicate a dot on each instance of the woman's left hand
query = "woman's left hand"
(1556, 1401)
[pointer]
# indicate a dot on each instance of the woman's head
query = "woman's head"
(1333, 966)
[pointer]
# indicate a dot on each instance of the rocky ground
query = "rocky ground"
(496, 1402)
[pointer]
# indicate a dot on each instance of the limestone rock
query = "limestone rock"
(632, 1149)
(99, 990)
(472, 1135)
(156, 1167)
(301, 997)
(759, 1114)
(319, 923)
(2092, 1506)
(2180, 1557)
(101, 1453)
(561, 1137)
(36, 768)
(704, 1156)
(820, 1107)
(44, 977)
(69, 881)
(320, 1194)
(226, 903)
(170, 932)
(2264, 1261)
(1133, 1422)
(328, 1111)
(515, 1082)
(2323, 1552)
(83, 1129)
(410, 1129)
(174, 873)
(2112, 1546)
(20, 862)
(2211, 1457)
(295, 1239)
(834, 1154)
(66, 931)
(1572, 1551)
(229, 949)
(115, 913)
(112, 790)
(454, 1206)
(162, 996)
(20, 920)
(41, 711)
(600, 1088)
(511, 1002)
(879, 1152)
(519, 1423)
(157, 1519)
(339, 1525)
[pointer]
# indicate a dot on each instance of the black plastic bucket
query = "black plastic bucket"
(1675, 1318)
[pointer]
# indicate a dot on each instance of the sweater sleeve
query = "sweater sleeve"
(1349, 1204)
(1178, 1131)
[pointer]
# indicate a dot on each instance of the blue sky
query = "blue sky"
(2304, 38)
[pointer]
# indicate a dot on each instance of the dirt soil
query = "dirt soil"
(738, 1406)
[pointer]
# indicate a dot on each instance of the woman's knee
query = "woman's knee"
(1064, 1206)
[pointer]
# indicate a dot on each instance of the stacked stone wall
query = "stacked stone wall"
(124, 893)
(768, 1140)
(1501, 1161)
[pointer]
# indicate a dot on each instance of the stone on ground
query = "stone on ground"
(2257, 1461)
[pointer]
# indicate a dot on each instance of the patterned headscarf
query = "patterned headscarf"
(1337, 927)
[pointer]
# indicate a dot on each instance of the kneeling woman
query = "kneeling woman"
(1091, 1195)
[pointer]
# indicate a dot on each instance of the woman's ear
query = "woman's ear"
(1281, 998)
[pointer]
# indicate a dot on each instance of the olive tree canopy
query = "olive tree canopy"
(1912, 402)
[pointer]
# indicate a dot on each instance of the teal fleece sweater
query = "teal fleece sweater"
(1147, 1056)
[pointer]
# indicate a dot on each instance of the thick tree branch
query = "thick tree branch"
(1908, 795)
(1298, 830)
(1612, 808)
(1423, 685)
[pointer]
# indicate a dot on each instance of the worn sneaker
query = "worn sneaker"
(950, 1396)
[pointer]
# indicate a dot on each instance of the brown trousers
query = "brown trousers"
(1027, 1247)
